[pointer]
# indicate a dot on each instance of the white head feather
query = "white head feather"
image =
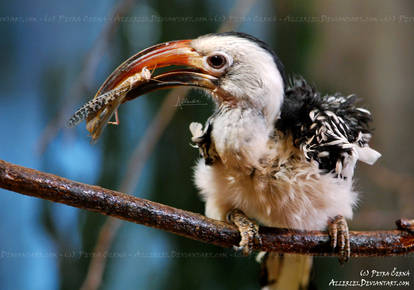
(251, 75)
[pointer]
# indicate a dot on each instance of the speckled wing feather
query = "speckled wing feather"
(327, 128)
(95, 105)
(100, 109)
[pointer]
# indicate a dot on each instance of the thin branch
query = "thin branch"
(143, 151)
(192, 225)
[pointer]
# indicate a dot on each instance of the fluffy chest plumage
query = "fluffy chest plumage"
(241, 138)
(267, 177)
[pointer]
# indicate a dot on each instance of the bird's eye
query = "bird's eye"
(217, 61)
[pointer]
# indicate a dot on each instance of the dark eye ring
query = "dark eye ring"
(217, 61)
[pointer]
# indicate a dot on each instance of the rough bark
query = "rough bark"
(192, 225)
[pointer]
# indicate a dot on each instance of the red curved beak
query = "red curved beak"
(126, 81)
(173, 53)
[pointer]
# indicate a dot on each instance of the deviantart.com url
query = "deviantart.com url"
(368, 283)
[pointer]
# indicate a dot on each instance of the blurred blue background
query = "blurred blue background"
(55, 54)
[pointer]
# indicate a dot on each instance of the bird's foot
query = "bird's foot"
(249, 231)
(339, 234)
(405, 225)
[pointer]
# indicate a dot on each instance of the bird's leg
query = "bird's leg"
(339, 234)
(405, 225)
(249, 231)
(116, 119)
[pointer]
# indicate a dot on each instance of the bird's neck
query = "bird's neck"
(241, 135)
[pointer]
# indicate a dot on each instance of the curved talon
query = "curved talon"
(339, 233)
(249, 231)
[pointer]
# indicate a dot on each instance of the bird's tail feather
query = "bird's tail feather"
(284, 271)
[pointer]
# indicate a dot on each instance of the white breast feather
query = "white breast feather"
(290, 194)
(270, 179)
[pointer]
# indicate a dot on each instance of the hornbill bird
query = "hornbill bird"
(275, 152)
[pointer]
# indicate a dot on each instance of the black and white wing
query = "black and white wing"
(329, 129)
